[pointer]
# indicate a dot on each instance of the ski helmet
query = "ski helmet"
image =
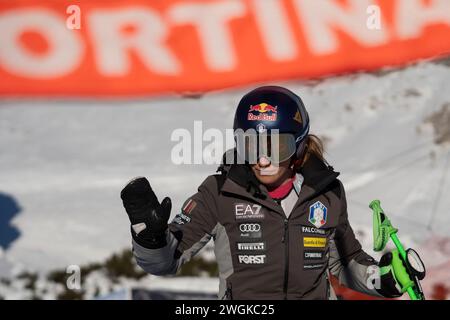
(274, 109)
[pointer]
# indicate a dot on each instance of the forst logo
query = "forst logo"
(262, 111)
(252, 259)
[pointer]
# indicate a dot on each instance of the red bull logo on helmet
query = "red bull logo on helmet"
(264, 112)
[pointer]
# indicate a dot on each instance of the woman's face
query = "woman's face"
(272, 175)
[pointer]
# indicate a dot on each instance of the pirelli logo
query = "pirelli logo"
(251, 246)
(314, 242)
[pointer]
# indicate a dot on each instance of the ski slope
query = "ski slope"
(64, 162)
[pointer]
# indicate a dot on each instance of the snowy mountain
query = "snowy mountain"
(63, 163)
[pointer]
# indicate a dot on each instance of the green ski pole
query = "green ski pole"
(382, 232)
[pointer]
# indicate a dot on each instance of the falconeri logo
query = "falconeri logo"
(312, 230)
(318, 214)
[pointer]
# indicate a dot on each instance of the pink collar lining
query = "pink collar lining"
(282, 191)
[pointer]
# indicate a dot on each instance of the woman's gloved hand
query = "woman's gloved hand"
(147, 216)
(395, 279)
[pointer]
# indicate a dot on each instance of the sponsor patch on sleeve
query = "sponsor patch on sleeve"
(181, 219)
(190, 205)
(314, 242)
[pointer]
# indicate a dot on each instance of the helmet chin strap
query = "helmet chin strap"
(301, 149)
(299, 153)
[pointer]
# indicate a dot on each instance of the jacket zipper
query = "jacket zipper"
(285, 240)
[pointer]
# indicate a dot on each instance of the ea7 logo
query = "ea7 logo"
(252, 259)
(248, 211)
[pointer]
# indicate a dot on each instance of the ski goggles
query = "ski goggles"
(277, 147)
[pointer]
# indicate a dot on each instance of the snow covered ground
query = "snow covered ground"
(63, 163)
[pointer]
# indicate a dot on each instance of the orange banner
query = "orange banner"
(144, 47)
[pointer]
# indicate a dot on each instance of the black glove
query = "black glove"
(391, 287)
(147, 216)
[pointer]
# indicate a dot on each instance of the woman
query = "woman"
(278, 219)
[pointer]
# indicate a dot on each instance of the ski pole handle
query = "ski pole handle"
(382, 231)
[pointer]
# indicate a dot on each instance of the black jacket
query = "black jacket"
(261, 252)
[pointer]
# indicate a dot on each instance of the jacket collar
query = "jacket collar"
(240, 180)
(317, 174)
